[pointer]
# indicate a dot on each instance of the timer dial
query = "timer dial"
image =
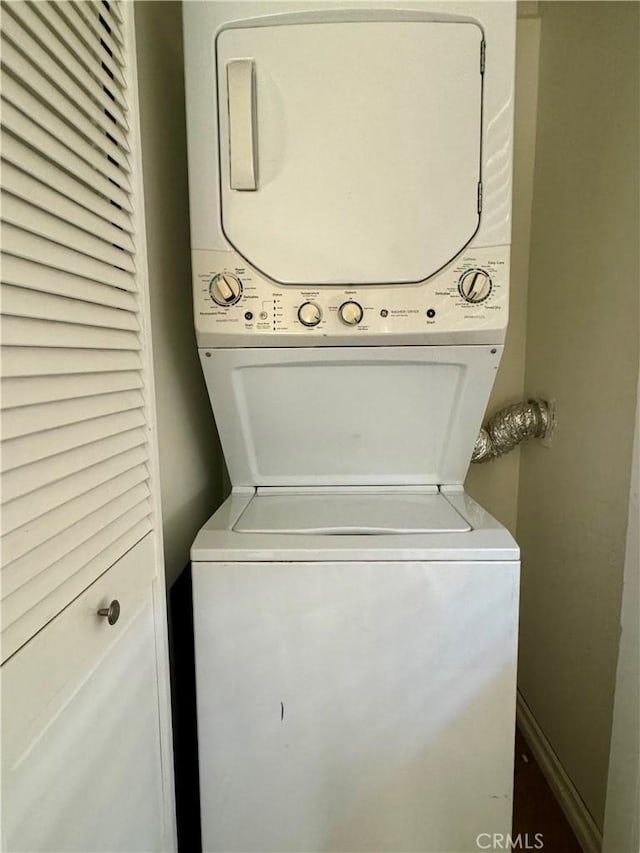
(350, 313)
(225, 289)
(309, 314)
(475, 285)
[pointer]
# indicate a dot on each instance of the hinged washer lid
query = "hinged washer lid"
(340, 416)
(350, 512)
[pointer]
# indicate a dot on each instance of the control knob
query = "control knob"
(350, 313)
(225, 289)
(475, 285)
(309, 314)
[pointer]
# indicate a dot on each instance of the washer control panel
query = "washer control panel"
(236, 306)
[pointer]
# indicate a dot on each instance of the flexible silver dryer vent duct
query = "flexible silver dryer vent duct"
(511, 425)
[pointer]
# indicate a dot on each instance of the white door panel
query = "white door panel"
(364, 163)
(81, 735)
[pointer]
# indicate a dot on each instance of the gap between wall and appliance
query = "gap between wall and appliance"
(584, 827)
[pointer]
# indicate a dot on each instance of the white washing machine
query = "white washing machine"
(355, 612)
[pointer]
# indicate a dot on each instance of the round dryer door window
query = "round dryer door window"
(350, 152)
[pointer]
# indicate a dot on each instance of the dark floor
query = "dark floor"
(536, 810)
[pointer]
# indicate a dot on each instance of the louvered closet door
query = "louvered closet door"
(75, 481)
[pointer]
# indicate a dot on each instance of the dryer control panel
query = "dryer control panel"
(236, 306)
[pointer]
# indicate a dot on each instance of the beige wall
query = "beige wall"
(190, 458)
(582, 351)
(622, 816)
(495, 484)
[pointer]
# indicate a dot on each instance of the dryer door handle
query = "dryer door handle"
(241, 99)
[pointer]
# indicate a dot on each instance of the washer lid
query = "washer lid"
(350, 512)
(349, 416)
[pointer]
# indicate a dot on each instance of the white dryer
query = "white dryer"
(355, 612)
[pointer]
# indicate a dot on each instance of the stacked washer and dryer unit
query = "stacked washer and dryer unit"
(355, 611)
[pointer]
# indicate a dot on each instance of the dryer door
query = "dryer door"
(350, 152)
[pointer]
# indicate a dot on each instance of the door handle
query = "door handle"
(241, 99)
(111, 613)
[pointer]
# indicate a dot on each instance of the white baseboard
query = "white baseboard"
(571, 803)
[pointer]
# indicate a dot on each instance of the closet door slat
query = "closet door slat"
(104, 78)
(72, 18)
(32, 136)
(17, 392)
(40, 445)
(114, 5)
(96, 126)
(28, 189)
(104, 12)
(27, 332)
(13, 34)
(95, 174)
(48, 527)
(26, 244)
(22, 272)
(43, 361)
(29, 478)
(56, 495)
(25, 420)
(24, 302)
(30, 218)
(89, 14)
(51, 42)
